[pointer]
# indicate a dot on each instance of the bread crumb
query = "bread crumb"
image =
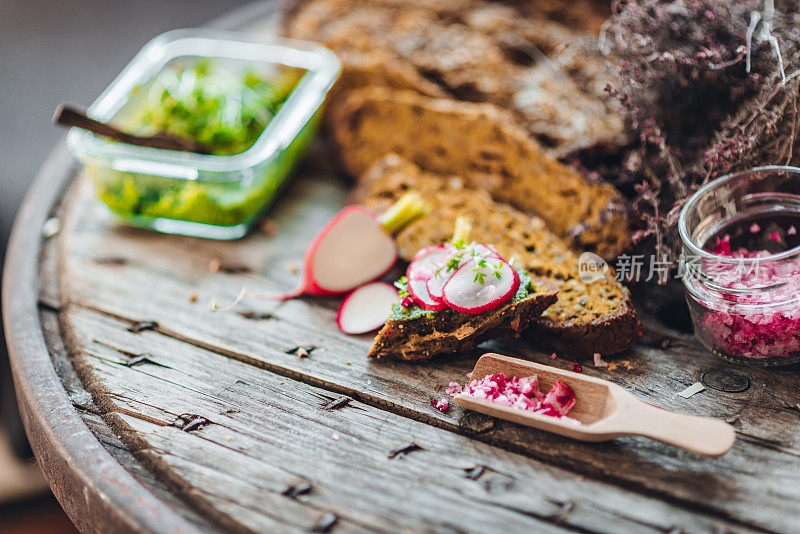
(269, 228)
(349, 362)
(214, 265)
(227, 438)
(293, 267)
(193, 296)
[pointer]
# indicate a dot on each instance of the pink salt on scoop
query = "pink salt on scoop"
(522, 393)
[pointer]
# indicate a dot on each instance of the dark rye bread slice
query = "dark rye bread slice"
(482, 144)
(414, 334)
(509, 54)
(588, 317)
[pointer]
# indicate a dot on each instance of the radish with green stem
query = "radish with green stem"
(354, 248)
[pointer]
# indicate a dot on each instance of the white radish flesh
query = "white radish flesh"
(350, 251)
(426, 262)
(367, 308)
(418, 291)
(464, 291)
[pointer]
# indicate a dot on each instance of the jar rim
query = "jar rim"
(713, 185)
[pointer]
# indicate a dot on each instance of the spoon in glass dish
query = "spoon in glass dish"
(67, 115)
(604, 409)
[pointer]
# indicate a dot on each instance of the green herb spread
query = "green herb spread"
(224, 110)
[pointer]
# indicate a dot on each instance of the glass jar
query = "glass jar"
(740, 265)
(213, 196)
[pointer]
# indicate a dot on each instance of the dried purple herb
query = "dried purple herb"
(710, 87)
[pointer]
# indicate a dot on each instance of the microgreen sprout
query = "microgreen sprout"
(402, 287)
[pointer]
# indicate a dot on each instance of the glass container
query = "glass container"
(741, 265)
(196, 194)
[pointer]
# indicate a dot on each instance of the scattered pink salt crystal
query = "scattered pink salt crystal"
(598, 360)
(792, 230)
(577, 367)
(453, 389)
(755, 228)
(775, 237)
(440, 404)
(553, 356)
(335, 437)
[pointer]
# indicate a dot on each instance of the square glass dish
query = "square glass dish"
(213, 196)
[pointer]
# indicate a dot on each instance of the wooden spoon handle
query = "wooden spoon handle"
(702, 435)
(67, 115)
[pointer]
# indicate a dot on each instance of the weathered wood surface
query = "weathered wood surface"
(235, 372)
(270, 458)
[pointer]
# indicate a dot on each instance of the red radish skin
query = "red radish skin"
(353, 238)
(463, 294)
(418, 291)
(367, 308)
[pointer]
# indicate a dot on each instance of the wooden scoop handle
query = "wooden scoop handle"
(701, 435)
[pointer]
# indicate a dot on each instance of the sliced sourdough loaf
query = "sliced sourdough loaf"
(482, 144)
(588, 317)
(414, 334)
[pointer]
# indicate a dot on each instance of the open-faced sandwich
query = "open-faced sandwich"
(457, 295)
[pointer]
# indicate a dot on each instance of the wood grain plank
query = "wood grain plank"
(161, 272)
(269, 431)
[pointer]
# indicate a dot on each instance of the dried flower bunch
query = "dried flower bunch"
(710, 87)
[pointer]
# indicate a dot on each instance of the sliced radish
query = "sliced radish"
(426, 262)
(352, 249)
(464, 292)
(418, 290)
(435, 283)
(355, 247)
(367, 308)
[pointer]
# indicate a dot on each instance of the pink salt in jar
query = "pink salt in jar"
(741, 265)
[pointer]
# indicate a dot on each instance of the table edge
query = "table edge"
(67, 451)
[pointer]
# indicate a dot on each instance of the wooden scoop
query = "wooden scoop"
(605, 410)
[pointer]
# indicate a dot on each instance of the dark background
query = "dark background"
(53, 51)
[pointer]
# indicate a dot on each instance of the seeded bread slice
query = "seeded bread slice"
(414, 334)
(588, 317)
(482, 144)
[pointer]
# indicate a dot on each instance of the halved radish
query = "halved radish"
(354, 248)
(418, 291)
(367, 308)
(477, 288)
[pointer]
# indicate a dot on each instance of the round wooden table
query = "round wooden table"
(148, 411)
